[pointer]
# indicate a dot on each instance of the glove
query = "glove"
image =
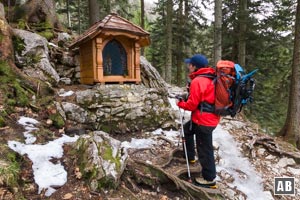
(179, 97)
(182, 97)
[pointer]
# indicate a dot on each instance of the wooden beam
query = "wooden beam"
(99, 60)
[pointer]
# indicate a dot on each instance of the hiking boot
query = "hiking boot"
(204, 183)
(192, 161)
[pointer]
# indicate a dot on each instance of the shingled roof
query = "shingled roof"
(110, 22)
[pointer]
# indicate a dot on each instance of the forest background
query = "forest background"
(258, 34)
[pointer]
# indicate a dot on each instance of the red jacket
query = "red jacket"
(201, 89)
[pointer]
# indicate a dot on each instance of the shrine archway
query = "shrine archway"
(114, 59)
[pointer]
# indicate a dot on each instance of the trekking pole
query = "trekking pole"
(181, 122)
(184, 147)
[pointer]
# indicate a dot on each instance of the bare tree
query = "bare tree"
(291, 128)
(218, 31)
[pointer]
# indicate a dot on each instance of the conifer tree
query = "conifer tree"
(291, 128)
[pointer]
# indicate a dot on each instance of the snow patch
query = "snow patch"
(46, 174)
(246, 179)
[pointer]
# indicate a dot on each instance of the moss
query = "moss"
(45, 30)
(11, 86)
(109, 127)
(81, 155)
(36, 58)
(106, 183)
(1, 37)
(108, 155)
(4, 70)
(2, 121)
(57, 119)
(11, 102)
(45, 100)
(10, 173)
(18, 44)
(21, 24)
(21, 94)
(91, 174)
(31, 60)
(48, 34)
(105, 128)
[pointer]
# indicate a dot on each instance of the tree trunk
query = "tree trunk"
(7, 56)
(94, 12)
(69, 14)
(142, 21)
(243, 13)
(108, 6)
(291, 129)
(79, 16)
(187, 49)
(218, 32)
(187, 10)
(179, 48)
(169, 41)
(36, 12)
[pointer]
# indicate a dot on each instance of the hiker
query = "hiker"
(202, 122)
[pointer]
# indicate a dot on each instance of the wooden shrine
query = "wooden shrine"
(110, 51)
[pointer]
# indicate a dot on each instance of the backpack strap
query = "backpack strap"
(206, 107)
(211, 76)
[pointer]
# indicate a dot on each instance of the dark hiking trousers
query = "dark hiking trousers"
(204, 146)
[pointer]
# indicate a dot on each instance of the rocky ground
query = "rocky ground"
(270, 156)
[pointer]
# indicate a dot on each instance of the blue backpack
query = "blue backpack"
(241, 90)
(233, 89)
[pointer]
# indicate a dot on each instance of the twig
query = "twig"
(95, 193)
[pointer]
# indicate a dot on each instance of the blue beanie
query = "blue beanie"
(198, 60)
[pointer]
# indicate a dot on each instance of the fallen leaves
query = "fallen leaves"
(67, 196)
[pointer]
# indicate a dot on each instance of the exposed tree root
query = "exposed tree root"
(152, 175)
(167, 140)
(273, 147)
(171, 156)
(133, 196)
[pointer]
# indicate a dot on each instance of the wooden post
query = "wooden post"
(99, 61)
(137, 67)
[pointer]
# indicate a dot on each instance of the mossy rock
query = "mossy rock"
(58, 120)
(99, 160)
